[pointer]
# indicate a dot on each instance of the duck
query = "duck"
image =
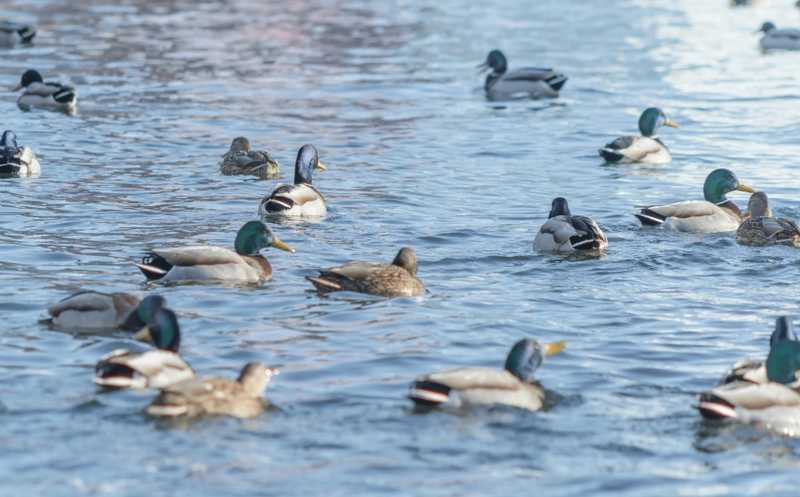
(565, 233)
(12, 34)
(90, 310)
(241, 159)
(525, 82)
(244, 264)
(49, 95)
(158, 368)
(480, 386)
(760, 228)
(301, 199)
(241, 398)
(16, 160)
(645, 149)
(715, 214)
(398, 279)
(778, 39)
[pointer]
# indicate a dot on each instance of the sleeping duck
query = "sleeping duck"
(158, 368)
(16, 160)
(51, 96)
(760, 228)
(241, 398)
(713, 215)
(466, 387)
(525, 82)
(645, 149)
(89, 310)
(398, 279)
(209, 263)
(563, 232)
(12, 33)
(300, 199)
(240, 159)
(779, 39)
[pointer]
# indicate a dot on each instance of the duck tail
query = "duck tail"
(324, 285)
(153, 266)
(649, 217)
(557, 81)
(108, 374)
(714, 407)
(610, 155)
(65, 95)
(426, 393)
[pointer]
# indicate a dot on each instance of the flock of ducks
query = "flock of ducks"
(750, 390)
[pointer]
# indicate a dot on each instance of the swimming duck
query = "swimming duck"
(779, 39)
(563, 232)
(760, 228)
(16, 160)
(398, 279)
(713, 215)
(645, 149)
(526, 82)
(12, 33)
(240, 159)
(513, 386)
(51, 96)
(88, 310)
(242, 398)
(301, 199)
(159, 368)
(209, 263)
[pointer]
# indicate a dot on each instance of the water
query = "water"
(388, 93)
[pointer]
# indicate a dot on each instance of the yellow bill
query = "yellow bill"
(321, 166)
(554, 348)
(672, 124)
(144, 335)
(279, 244)
(745, 188)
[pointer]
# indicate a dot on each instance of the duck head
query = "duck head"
(526, 356)
(144, 313)
(495, 61)
(758, 206)
(9, 140)
(28, 77)
(652, 119)
(163, 332)
(255, 236)
(784, 330)
(240, 144)
(406, 258)
(307, 161)
(559, 207)
(783, 362)
(255, 377)
(767, 27)
(722, 181)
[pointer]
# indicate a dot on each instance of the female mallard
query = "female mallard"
(645, 149)
(513, 386)
(158, 368)
(398, 279)
(779, 39)
(713, 215)
(208, 263)
(760, 228)
(526, 82)
(88, 310)
(242, 398)
(563, 232)
(12, 33)
(16, 160)
(52, 96)
(301, 199)
(240, 159)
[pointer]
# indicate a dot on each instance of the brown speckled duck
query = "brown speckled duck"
(760, 228)
(241, 159)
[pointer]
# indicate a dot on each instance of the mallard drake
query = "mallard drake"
(713, 215)
(88, 310)
(242, 398)
(16, 160)
(760, 228)
(398, 279)
(779, 39)
(563, 232)
(240, 159)
(301, 199)
(525, 82)
(12, 33)
(513, 386)
(645, 149)
(51, 96)
(208, 263)
(159, 368)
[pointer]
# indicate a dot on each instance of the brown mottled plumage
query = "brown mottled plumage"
(240, 159)
(760, 228)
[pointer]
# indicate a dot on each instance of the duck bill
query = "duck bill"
(554, 348)
(671, 123)
(279, 244)
(17, 88)
(745, 188)
(321, 166)
(144, 335)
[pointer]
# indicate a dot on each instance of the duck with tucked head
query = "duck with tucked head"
(89, 310)
(245, 264)
(241, 159)
(301, 199)
(16, 160)
(49, 95)
(760, 228)
(645, 149)
(398, 279)
(778, 39)
(564, 233)
(467, 387)
(525, 82)
(715, 214)
(12, 33)
(159, 368)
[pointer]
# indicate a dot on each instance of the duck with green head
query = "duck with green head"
(301, 199)
(241, 159)
(715, 214)
(514, 385)
(523, 82)
(760, 228)
(565, 233)
(196, 263)
(90, 310)
(778, 39)
(645, 149)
